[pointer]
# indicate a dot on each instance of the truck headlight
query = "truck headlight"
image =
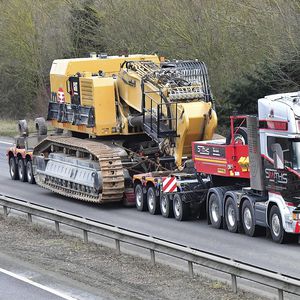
(296, 216)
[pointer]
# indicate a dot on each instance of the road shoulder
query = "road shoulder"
(99, 270)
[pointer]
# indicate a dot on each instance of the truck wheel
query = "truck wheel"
(214, 211)
(22, 170)
(140, 198)
(231, 215)
(152, 201)
(277, 232)
(13, 168)
(248, 219)
(181, 209)
(166, 206)
(29, 171)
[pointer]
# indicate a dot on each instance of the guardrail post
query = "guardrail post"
(29, 218)
(152, 254)
(233, 283)
(191, 269)
(85, 236)
(118, 247)
(57, 227)
(5, 212)
(280, 294)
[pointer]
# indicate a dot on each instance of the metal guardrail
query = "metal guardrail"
(236, 269)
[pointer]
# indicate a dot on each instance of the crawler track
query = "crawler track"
(109, 162)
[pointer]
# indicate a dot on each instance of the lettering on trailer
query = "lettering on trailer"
(209, 150)
(276, 177)
(169, 184)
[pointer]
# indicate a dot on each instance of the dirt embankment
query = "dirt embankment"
(120, 276)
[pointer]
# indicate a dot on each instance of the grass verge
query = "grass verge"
(10, 127)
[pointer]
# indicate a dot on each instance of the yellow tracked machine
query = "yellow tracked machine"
(116, 116)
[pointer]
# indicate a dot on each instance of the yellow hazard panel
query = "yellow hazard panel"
(221, 171)
(244, 163)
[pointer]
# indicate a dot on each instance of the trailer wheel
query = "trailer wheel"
(140, 198)
(152, 201)
(181, 209)
(231, 215)
(13, 168)
(166, 206)
(22, 170)
(29, 171)
(277, 232)
(214, 211)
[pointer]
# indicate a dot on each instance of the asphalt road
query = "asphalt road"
(15, 289)
(258, 251)
(23, 280)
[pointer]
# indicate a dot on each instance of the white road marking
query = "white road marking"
(5, 143)
(38, 285)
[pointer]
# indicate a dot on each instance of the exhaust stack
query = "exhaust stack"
(256, 170)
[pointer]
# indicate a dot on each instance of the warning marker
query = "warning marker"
(169, 184)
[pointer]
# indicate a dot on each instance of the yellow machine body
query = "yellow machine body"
(109, 92)
(98, 92)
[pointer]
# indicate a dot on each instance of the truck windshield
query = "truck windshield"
(296, 155)
(291, 151)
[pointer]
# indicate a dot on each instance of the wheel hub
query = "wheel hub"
(247, 218)
(138, 197)
(20, 168)
(276, 225)
(231, 216)
(151, 200)
(215, 211)
(29, 172)
(177, 207)
(239, 139)
(12, 168)
(164, 204)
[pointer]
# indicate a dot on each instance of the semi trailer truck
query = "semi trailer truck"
(139, 130)
(247, 182)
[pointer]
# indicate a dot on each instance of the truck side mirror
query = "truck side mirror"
(278, 156)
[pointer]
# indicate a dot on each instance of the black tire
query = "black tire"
(23, 128)
(180, 209)
(277, 232)
(214, 211)
(140, 198)
(13, 168)
(40, 126)
(248, 219)
(29, 172)
(231, 215)
(22, 170)
(166, 206)
(152, 201)
(240, 136)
